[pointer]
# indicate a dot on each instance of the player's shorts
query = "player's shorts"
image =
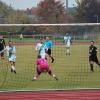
(93, 59)
(67, 45)
(43, 55)
(48, 51)
(12, 58)
(43, 69)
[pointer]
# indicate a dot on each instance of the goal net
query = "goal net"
(71, 60)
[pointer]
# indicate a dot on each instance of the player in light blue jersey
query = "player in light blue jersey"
(11, 53)
(49, 44)
(67, 42)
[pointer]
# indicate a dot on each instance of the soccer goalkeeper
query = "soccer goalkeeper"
(42, 66)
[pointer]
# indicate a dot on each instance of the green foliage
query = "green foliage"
(5, 9)
(88, 11)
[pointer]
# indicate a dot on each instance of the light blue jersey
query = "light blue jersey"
(49, 44)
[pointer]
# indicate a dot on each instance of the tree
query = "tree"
(51, 11)
(88, 11)
(4, 9)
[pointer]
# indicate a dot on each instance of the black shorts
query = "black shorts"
(48, 52)
(93, 59)
(1, 54)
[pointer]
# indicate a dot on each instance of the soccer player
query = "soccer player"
(49, 45)
(21, 36)
(2, 47)
(11, 53)
(41, 48)
(93, 56)
(67, 42)
(42, 66)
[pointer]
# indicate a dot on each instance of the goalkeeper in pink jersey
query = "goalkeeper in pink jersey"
(42, 66)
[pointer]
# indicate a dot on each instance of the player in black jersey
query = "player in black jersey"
(2, 46)
(93, 56)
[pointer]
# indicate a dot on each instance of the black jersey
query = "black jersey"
(92, 51)
(2, 44)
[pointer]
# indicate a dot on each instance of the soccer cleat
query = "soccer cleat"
(92, 70)
(67, 54)
(56, 78)
(34, 79)
(14, 71)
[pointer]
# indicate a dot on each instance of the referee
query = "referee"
(93, 56)
(2, 46)
(49, 45)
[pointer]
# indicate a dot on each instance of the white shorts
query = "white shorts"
(67, 45)
(43, 55)
(12, 58)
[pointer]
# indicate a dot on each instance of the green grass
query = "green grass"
(72, 71)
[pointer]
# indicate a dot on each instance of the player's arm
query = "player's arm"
(37, 47)
(90, 51)
(3, 50)
(4, 43)
(71, 41)
(96, 50)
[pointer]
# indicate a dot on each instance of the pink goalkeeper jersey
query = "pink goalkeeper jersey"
(42, 62)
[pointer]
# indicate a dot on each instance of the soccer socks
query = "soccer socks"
(91, 65)
(34, 78)
(13, 69)
(54, 76)
(68, 52)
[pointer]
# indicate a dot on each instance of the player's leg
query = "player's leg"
(91, 65)
(51, 74)
(12, 62)
(13, 69)
(50, 55)
(37, 74)
(67, 49)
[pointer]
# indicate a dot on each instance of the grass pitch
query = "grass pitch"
(72, 71)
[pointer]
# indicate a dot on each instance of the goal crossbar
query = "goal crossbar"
(67, 24)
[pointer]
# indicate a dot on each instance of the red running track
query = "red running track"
(52, 95)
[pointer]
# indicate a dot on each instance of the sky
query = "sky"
(18, 4)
